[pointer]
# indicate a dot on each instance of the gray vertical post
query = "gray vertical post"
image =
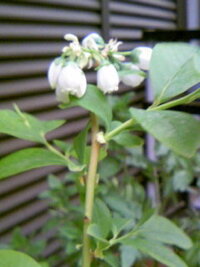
(105, 16)
(193, 14)
(182, 14)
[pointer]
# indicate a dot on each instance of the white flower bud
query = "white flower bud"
(92, 41)
(71, 37)
(72, 81)
(107, 79)
(134, 79)
(53, 73)
(144, 57)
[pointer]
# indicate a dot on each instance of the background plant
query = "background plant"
(144, 231)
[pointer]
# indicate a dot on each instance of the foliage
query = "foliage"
(122, 224)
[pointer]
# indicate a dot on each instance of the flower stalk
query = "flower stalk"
(90, 191)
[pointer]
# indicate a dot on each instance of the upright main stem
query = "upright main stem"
(90, 188)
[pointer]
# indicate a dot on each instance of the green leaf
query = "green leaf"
(173, 72)
(118, 224)
(102, 217)
(95, 101)
(11, 258)
(112, 260)
(157, 251)
(177, 130)
(27, 159)
(95, 231)
(80, 142)
(163, 230)
(128, 140)
(25, 126)
(181, 180)
(109, 167)
(128, 256)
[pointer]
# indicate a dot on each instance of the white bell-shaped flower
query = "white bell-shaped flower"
(92, 41)
(108, 79)
(53, 73)
(133, 79)
(72, 81)
(144, 57)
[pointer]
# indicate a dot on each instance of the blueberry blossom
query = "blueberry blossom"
(53, 73)
(144, 57)
(93, 41)
(132, 79)
(71, 80)
(107, 78)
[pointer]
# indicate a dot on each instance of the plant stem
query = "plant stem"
(117, 130)
(183, 100)
(90, 189)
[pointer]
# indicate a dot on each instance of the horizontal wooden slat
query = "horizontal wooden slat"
(42, 32)
(43, 14)
(135, 9)
(18, 181)
(24, 68)
(120, 34)
(28, 212)
(128, 21)
(156, 3)
(84, 5)
(30, 49)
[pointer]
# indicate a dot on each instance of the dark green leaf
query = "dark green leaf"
(31, 158)
(163, 230)
(181, 180)
(25, 126)
(128, 140)
(112, 260)
(109, 167)
(173, 72)
(95, 101)
(128, 256)
(96, 231)
(157, 251)
(102, 217)
(11, 258)
(80, 142)
(177, 130)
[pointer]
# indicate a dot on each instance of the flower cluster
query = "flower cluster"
(66, 72)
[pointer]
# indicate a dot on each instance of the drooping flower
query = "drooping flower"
(53, 73)
(144, 57)
(132, 79)
(72, 81)
(93, 41)
(108, 79)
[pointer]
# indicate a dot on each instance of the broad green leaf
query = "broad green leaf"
(112, 260)
(163, 230)
(109, 167)
(31, 158)
(95, 231)
(181, 179)
(102, 217)
(128, 256)
(11, 258)
(64, 146)
(118, 224)
(80, 142)
(174, 69)
(25, 126)
(157, 251)
(95, 101)
(177, 130)
(128, 140)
